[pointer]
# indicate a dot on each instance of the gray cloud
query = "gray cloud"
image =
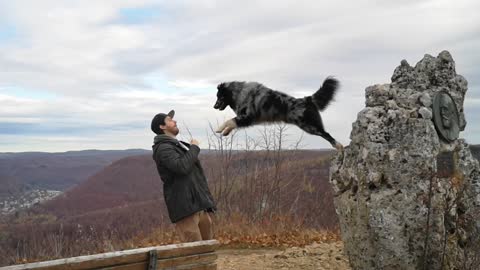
(100, 64)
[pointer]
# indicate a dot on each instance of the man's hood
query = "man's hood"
(163, 138)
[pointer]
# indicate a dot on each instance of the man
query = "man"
(189, 202)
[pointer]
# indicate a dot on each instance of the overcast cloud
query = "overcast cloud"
(91, 76)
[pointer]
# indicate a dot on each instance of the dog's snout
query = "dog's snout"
(217, 104)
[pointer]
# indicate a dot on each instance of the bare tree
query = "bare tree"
(256, 175)
(225, 176)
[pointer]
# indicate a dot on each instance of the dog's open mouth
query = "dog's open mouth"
(220, 106)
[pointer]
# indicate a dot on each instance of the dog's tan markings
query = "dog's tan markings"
(220, 128)
(227, 127)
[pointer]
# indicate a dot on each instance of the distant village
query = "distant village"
(10, 204)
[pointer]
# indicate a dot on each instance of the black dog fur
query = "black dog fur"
(254, 103)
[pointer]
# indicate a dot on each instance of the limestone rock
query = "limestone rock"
(399, 206)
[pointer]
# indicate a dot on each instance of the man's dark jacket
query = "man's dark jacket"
(185, 186)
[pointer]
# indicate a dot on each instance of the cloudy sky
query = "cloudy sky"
(77, 75)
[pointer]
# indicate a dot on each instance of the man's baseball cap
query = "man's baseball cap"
(158, 120)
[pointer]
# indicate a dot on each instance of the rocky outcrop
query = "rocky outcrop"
(406, 194)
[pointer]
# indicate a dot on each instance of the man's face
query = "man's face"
(170, 126)
(445, 112)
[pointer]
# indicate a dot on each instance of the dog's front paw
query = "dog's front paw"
(221, 128)
(227, 131)
(227, 127)
(231, 124)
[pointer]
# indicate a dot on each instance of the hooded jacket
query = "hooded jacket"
(185, 187)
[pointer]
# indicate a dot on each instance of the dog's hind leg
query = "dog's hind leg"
(311, 122)
(328, 137)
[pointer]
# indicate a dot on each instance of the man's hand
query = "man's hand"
(195, 142)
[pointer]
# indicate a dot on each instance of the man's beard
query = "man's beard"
(175, 131)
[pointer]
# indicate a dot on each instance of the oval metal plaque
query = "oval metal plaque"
(445, 116)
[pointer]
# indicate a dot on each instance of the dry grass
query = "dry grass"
(237, 231)
(234, 231)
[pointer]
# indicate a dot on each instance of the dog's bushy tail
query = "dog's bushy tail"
(325, 94)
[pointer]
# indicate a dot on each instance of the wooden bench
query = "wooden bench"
(193, 256)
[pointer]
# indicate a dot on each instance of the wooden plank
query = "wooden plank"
(190, 261)
(210, 266)
(120, 257)
(193, 260)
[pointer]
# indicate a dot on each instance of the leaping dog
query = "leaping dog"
(254, 103)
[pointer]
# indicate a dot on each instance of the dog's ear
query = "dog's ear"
(222, 86)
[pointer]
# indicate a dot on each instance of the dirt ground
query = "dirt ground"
(317, 256)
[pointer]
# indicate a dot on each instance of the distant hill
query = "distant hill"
(131, 186)
(125, 198)
(135, 179)
(10, 186)
(125, 181)
(475, 151)
(56, 171)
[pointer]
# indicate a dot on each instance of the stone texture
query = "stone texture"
(395, 211)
